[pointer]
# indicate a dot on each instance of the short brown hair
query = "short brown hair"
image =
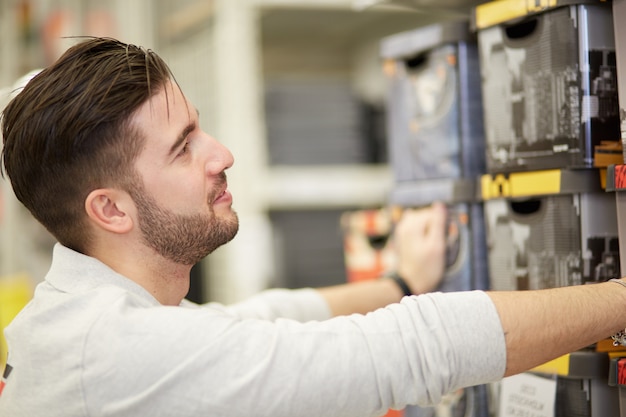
(68, 131)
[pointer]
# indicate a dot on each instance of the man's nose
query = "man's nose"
(220, 157)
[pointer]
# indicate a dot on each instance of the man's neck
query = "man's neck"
(165, 280)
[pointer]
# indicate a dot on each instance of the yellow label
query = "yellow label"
(494, 187)
(558, 366)
(537, 182)
(521, 184)
(498, 11)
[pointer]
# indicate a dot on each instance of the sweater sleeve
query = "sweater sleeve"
(445, 342)
(411, 352)
(301, 305)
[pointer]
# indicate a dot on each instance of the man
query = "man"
(105, 151)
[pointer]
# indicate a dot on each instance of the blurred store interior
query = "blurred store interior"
(293, 87)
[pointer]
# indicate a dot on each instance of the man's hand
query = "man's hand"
(419, 242)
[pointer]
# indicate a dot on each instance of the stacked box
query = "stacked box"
(552, 241)
(435, 120)
(436, 141)
(550, 103)
(549, 229)
(549, 84)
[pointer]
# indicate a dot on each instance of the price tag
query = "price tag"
(527, 395)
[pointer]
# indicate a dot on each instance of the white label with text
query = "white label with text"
(527, 395)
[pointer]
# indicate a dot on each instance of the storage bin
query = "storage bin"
(434, 106)
(552, 241)
(549, 83)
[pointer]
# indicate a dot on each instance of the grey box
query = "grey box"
(434, 109)
(552, 241)
(549, 88)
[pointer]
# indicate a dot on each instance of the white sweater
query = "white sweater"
(94, 343)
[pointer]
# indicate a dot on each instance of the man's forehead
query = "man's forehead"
(167, 105)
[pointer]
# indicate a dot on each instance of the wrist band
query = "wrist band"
(619, 338)
(401, 283)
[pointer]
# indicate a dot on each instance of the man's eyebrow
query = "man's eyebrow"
(183, 136)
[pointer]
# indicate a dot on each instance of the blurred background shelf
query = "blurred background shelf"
(341, 186)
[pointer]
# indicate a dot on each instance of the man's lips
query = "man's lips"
(223, 197)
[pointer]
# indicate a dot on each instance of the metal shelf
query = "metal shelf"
(338, 186)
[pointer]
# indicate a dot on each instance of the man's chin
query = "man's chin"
(229, 227)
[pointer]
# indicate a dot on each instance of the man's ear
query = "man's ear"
(110, 209)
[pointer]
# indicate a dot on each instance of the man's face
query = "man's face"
(183, 205)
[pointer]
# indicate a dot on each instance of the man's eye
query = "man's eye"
(184, 149)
